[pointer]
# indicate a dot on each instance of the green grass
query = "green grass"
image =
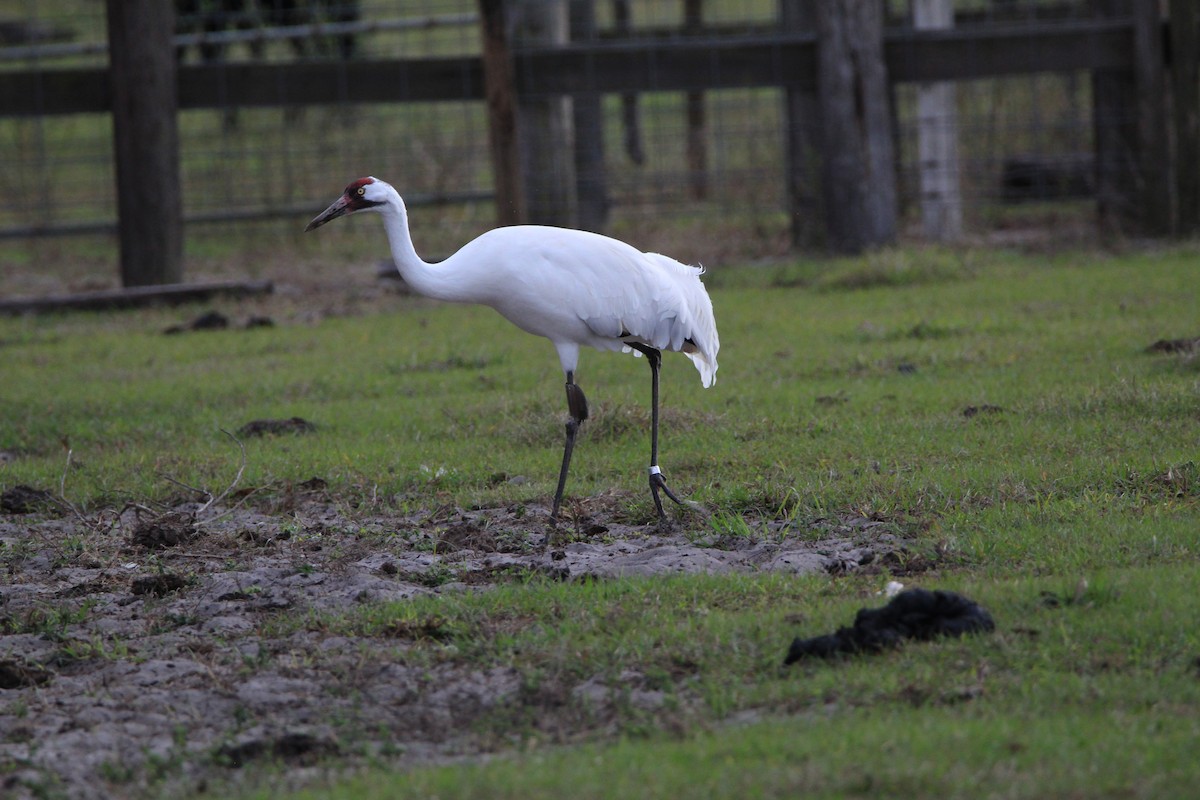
(860, 753)
(786, 758)
(1068, 504)
(827, 397)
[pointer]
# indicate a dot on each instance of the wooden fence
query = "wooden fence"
(1146, 93)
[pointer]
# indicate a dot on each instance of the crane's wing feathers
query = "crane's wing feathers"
(579, 288)
(655, 300)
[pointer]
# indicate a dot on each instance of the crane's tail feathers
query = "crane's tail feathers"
(707, 367)
(687, 324)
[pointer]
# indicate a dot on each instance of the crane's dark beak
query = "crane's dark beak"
(339, 208)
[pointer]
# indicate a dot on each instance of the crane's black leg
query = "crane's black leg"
(657, 481)
(578, 408)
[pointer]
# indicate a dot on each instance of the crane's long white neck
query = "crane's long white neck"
(431, 280)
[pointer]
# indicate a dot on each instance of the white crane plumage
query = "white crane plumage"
(573, 287)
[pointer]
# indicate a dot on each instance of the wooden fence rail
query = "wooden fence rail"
(605, 66)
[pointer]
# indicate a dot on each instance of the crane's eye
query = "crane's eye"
(361, 191)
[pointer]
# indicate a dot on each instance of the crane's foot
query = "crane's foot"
(659, 483)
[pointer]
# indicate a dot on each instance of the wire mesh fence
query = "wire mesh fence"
(698, 172)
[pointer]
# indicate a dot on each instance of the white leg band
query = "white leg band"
(654, 470)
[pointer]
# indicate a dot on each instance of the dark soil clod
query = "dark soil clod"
(433, 628)
(465, 536)
(1185, 345)
(302, 748)
(162, 532)
(313, 485)
(263, 427)
(209, 321)
(22, 499)
(158, 585)
(985, 408)
(15, 675)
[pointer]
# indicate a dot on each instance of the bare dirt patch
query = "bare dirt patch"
(141, 654)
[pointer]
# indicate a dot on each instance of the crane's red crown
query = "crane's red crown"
(352, 189)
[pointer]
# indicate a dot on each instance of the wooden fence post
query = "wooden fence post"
(858, 155)
(146, 141)
(1185, 97)
(499, 88)
(1116, 137)
(544, 121)
(1153, 118)
(802, 137)
(937, 137)
(623, 28)
(592, 182)
(697, 122)
(1133, 160)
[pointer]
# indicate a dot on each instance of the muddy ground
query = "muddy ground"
(134, 662)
